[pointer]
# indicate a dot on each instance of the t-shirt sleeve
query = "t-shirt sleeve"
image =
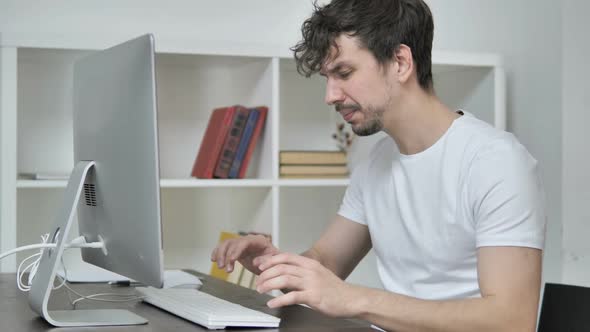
(507, 197)
(352, 206)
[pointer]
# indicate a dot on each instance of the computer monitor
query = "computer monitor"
(115, 181)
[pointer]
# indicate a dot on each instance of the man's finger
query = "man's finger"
(234, 253)
(261, 259)
(295, 297)
(222, 253)
(286, 258)
(281, 282)
(214, 255)
(278, 270)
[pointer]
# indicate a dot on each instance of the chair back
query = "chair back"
(565, 308)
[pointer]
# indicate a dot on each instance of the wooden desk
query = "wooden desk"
(16, 315)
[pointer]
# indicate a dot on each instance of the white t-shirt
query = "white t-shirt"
(428, 212)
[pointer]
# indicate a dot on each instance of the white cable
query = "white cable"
(44, 239)
(20, 283)
(25, 287)
(79, 242)
(130, 297)
(96, 245)
(29, 247)
(81, 297)
(93, 297)
(63, 280)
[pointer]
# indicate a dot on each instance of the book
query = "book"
(235, 276)
(230, 145)
(247, 278)
(313, 170)
(244, 142)
(212, 142)
(314, 176)
(313, 157)
(263, 110)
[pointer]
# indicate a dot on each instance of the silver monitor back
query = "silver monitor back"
(115, 125)
(115, 183)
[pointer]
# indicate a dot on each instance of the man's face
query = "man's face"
(357, 86)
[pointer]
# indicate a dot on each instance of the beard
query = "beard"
(369, 127)
(373, 122)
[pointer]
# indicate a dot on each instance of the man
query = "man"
(452, 206)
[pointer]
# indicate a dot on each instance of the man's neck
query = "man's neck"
(422, 119)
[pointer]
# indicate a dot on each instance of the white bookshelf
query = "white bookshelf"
(193, 77)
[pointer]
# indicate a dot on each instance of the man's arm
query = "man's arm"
(342, 246)
(509, 279)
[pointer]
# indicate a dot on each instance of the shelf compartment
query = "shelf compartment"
(303, 220)
(468, 88)
(189, 87)
(44, 112)
(193, 219)
(308, 124)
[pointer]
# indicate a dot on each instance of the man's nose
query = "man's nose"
(334, 93)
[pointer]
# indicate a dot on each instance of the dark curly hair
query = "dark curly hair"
(379, 25)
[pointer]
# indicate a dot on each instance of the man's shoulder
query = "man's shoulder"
(480, 140)
(493, 153)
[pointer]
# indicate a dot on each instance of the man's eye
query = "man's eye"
(344, 74)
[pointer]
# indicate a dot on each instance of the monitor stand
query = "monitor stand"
(43, 281)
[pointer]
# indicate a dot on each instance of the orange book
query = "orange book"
(219, 124)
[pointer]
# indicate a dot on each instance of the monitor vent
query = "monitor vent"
(90, 194)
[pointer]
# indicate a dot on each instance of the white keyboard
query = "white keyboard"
(204, 309)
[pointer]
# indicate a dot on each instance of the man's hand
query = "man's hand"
(244, 249)
(309, 283)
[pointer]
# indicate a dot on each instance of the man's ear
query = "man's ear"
(405, 63)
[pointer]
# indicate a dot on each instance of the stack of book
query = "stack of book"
(313, 164)
(228, 142)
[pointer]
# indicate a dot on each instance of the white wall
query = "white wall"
(576, 151)
(259, 21)
(526, 32)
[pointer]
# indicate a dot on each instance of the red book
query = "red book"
(263, 110)
(212, 142)
(232, 140)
